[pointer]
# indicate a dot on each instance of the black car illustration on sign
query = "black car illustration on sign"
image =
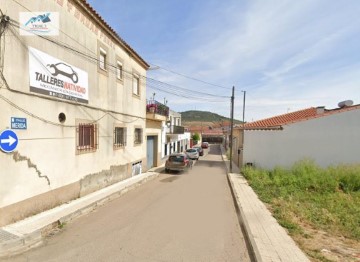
(65, 70)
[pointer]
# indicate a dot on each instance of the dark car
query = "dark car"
(204, 144)
(200, 150)
(65, 70)
(177, 162)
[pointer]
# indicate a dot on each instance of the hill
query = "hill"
(204, 116)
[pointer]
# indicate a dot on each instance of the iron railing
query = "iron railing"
(176, 129)
(153, 106)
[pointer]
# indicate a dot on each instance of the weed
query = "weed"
(327, 199)
(61, 225)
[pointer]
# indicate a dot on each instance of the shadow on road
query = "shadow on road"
(214, 150)
(169, 179)
(210, 163)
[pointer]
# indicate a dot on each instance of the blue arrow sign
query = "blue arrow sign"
(8, 141)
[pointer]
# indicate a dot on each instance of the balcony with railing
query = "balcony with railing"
(176, 130)
(156, 110)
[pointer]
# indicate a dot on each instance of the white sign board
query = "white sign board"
(54, 77)
(39, 23)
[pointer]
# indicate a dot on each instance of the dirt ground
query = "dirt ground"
(319, 245)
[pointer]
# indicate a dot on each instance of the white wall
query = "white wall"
(329, 140)
(169, 139)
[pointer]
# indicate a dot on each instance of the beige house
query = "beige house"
(74, 94)
(156, 115)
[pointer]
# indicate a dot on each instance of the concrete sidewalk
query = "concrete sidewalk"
(268, 241)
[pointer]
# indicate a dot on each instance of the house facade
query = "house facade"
(175, 139)
(74, 94)
(156, 116)
(329, 137)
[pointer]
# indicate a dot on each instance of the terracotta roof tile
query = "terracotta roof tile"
(296, 116)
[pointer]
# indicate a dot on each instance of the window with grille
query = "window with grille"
(136, 85)
(87, 137)
(119, 137)
(138, 136)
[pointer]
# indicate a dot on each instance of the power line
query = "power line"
(176, 90)
(190, 77)
(186, 95)
(51, 122)
(112, 68)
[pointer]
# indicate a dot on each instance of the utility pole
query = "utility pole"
(244, 106)
(231, 127)
(243, 129)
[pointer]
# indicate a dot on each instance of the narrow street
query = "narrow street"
(176, 217)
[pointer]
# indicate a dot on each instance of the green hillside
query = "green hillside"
(205, 116)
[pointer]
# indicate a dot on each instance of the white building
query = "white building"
(329, 137)
(74, 94)
(174, 139)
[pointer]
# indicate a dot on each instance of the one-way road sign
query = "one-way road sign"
(8, 141)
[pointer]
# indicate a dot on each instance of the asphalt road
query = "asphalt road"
(176, 217)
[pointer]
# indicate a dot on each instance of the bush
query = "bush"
(347, 176)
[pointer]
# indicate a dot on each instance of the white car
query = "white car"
(192, 153)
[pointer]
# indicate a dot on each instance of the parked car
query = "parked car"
(204, 144)
(192, 153)
(177, 162)
(199, 149)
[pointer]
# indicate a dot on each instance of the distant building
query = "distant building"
(175, 139)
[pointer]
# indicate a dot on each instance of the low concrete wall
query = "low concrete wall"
(94, 182)
(34, 205)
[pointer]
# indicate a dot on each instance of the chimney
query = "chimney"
(320, 110)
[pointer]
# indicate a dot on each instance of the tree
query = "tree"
(196, 137)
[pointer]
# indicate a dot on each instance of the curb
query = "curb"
(31, 232)
(265, 238)
(250, 242)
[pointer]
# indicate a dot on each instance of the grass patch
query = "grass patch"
(327, 199)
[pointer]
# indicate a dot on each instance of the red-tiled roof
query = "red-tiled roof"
(284, 119)
(205, 130)
(296, 116)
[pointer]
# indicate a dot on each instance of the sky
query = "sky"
(283, 55)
